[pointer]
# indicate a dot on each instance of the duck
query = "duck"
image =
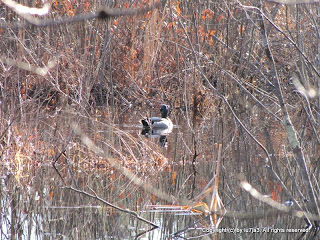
(159, 123)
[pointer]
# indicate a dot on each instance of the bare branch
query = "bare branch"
(94, 196)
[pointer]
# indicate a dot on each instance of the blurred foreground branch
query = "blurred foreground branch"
(21, 9)
(101, 13)
(27, 66)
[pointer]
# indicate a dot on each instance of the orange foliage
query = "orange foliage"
(65, 7)
(122, 195)
(153, 199)
(275, 189)
(173, 178)
(51, 152)
(178, 7)
(212, 33)
(51, 194)
(206, 14)
(220, 17)
(86, 6)
(206, 36)
(126, 5)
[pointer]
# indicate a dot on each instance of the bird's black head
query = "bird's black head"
(164, 111)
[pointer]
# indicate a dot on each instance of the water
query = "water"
(158, 181)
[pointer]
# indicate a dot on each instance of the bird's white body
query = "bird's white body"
(160, 123)
(163, 122)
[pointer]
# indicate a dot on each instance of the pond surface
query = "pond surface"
(92, 195)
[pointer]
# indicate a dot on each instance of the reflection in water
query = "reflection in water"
(157, 133)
